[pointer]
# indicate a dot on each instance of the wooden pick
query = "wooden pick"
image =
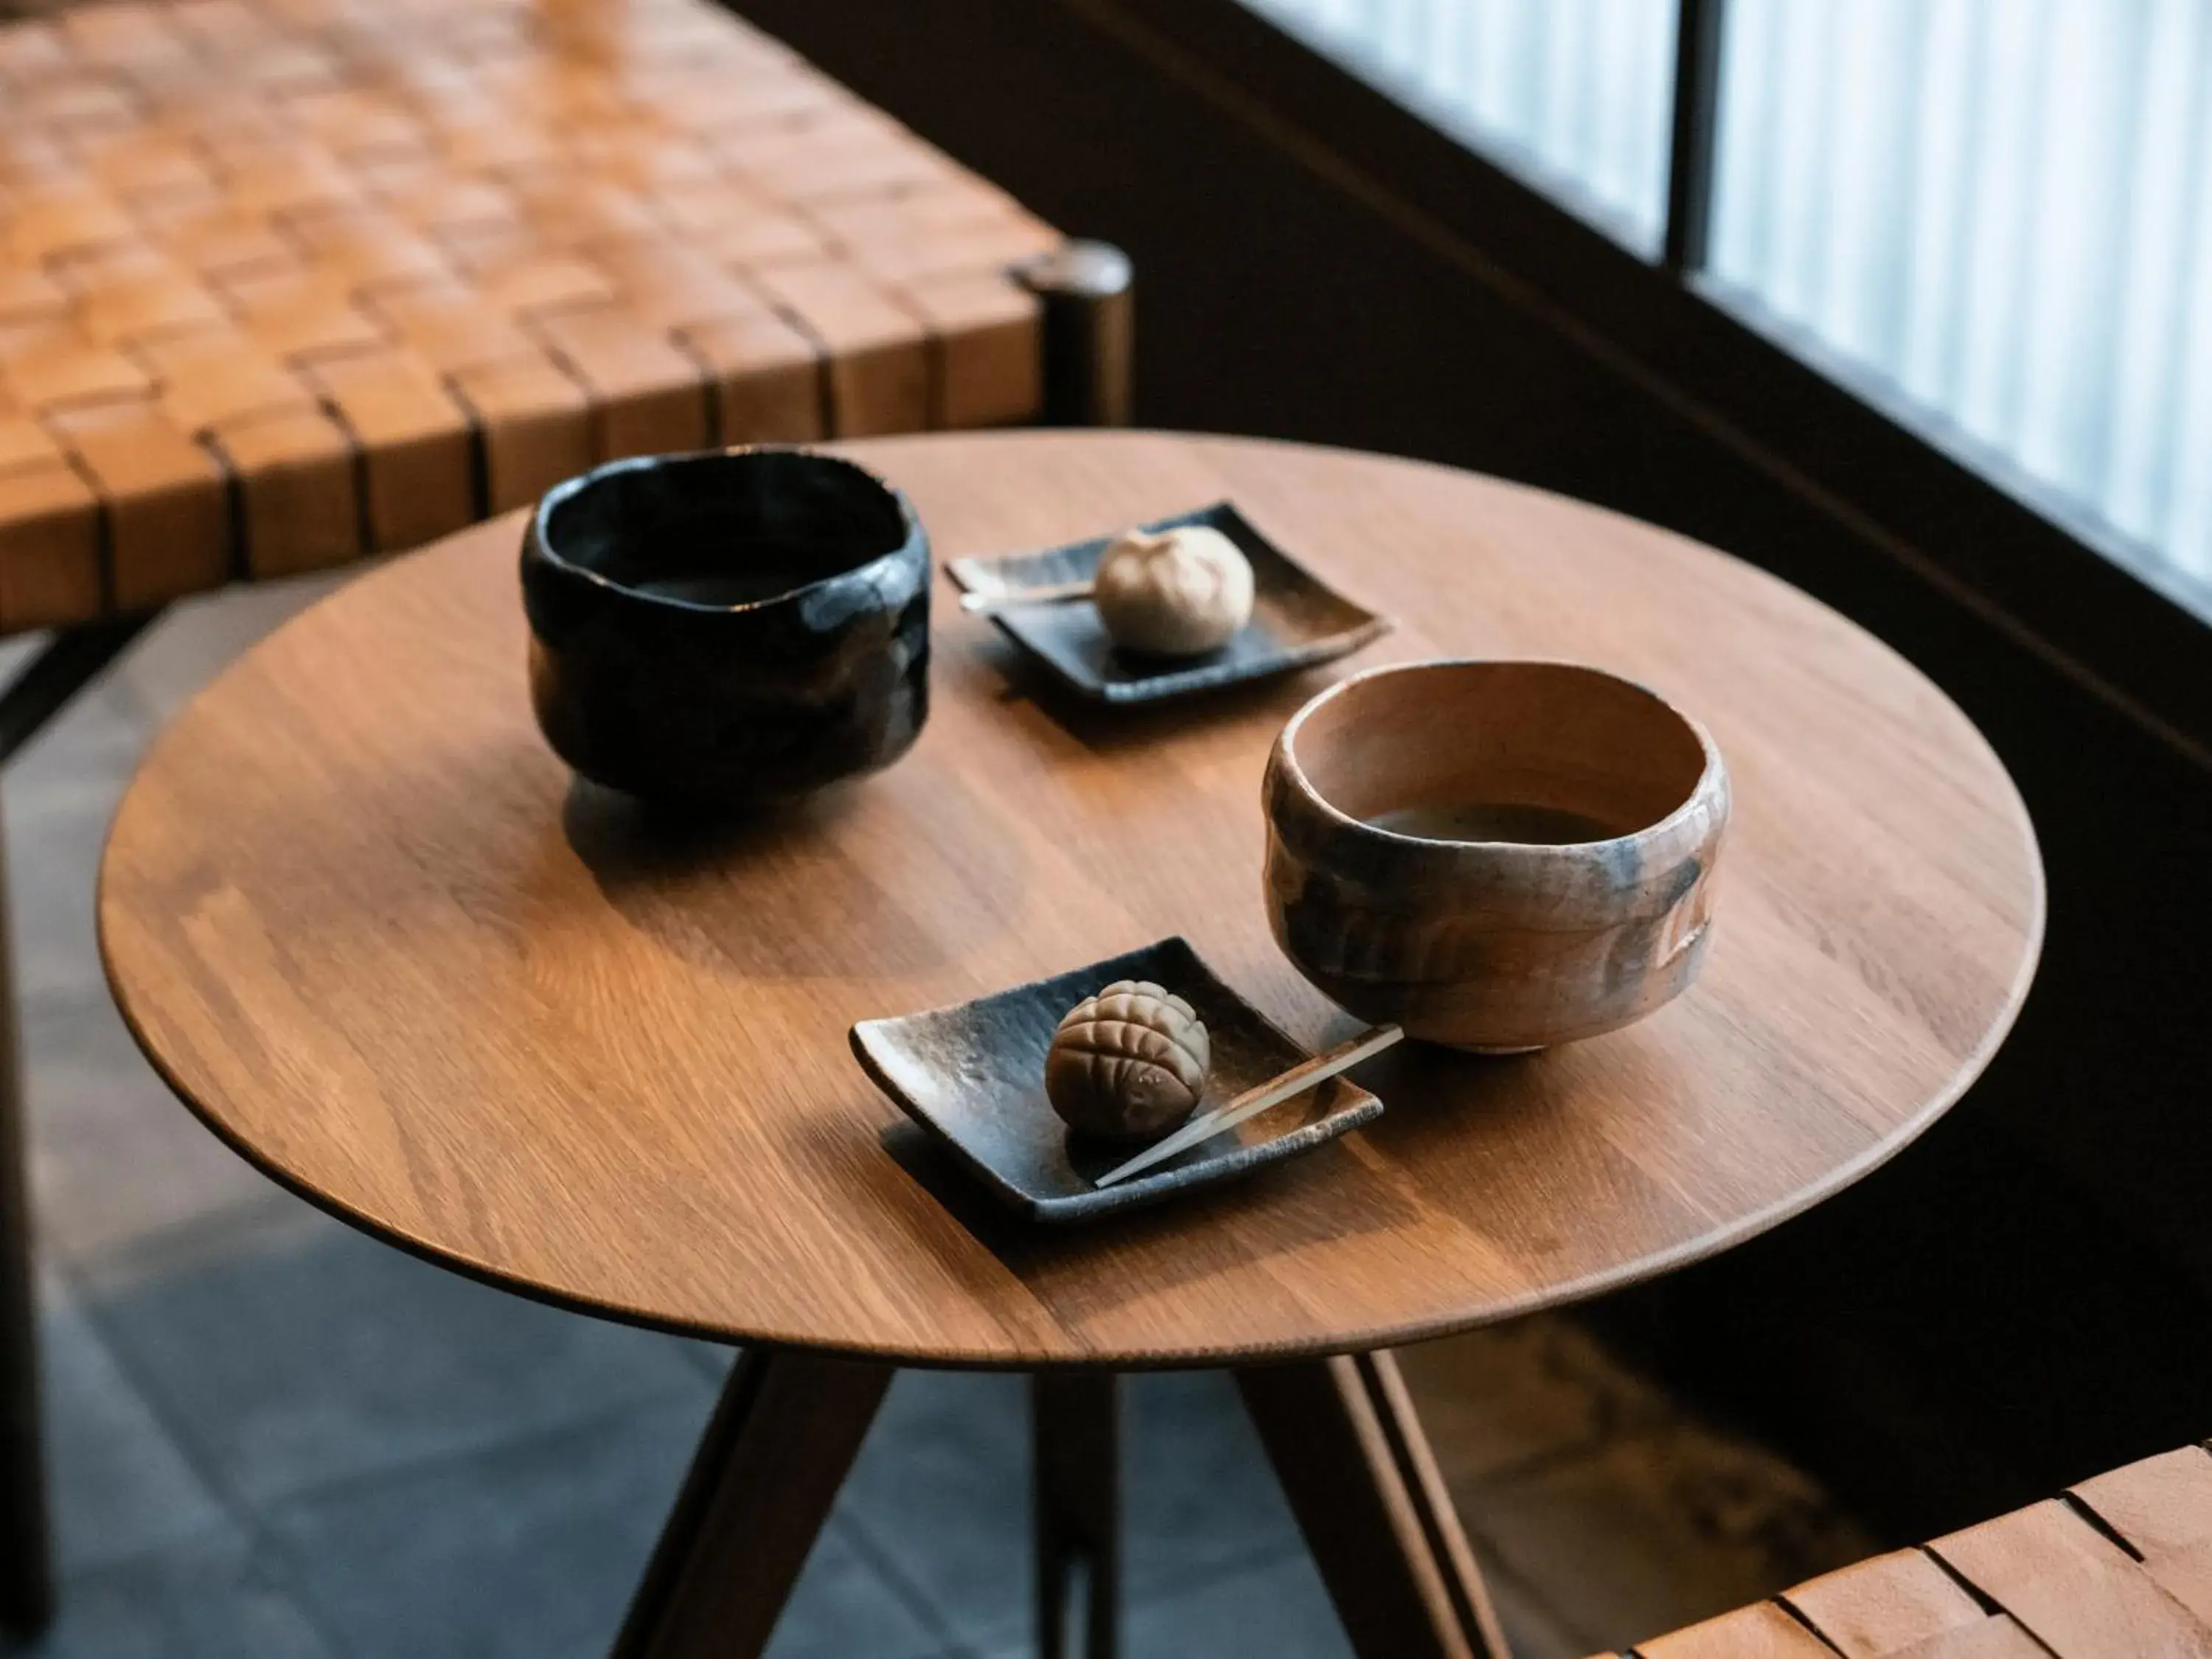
(1253, 1102)
(983, 604)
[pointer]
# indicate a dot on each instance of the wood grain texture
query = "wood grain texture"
(1075, 1462)
(2045, 1580)
(49, 547)
(364, 921)
(1762, 1630)
(1356, 1468)
(2077, 1592)
(769, 1467)
(414, 443)
(1998, 1637)
(2163, 1507)
(165, 500)
(1884, 1605)
(1765, 1631)
(297, 487)
(517, 191)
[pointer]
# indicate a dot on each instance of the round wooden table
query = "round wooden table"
(372, 931)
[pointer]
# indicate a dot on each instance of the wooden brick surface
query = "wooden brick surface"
(536, 424)
(163, 302)
(766, 377)
(53, 369)
(433, 200)
(545, 281)
(275, 178)
(125, 34)
(151, 165)
(49, 547)
(1763, 1631)
(295, 478)
(361, 246)
(666, 284)
(2120, 1569)
(842, 155)
(209, 381)
(31, 49)
(284, 280)
(646, 394)
(1886, 1605)
(776, 236)
(988, 367)
(26, 443)
(299, 316)
(565, 214)
(876, 344)
(28, 292)
(2076, 1590)
(451, 326)
(166, 499)
(414, 440)
(88, 271)
(217, 239)
(961, 226)
(2163, 1507)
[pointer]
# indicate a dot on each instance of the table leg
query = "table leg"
(782, 1437)
(1357, 1468)
(1076, 1432)
(26, 1585)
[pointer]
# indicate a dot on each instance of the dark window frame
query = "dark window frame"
(1963, 519)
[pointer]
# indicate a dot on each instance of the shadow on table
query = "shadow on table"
(1111, 728)
(1432, 1095)
(1442, 1108)
(1181, 1240)
(873, 898)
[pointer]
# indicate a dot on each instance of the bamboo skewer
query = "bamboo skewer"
(984, 603)
(1253, 1102)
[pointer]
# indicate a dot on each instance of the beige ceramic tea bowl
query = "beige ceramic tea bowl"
(1497, 856)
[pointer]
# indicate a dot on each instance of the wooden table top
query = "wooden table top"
(365, 923)
(285, 281)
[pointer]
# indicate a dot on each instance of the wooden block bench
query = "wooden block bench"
(283, 283)
(2119, 1567)
(286, 282)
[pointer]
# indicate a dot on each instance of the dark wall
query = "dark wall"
(2023, 1299)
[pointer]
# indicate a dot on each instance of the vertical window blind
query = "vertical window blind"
(2001, 211)
(1573, 95)
(1992, 217)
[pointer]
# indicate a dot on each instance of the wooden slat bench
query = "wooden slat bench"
(285, 281)
(2119, 1567)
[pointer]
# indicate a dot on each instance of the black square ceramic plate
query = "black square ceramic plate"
(974, 1076)
(1296, 621)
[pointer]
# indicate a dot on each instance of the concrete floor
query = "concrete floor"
(273, 1437)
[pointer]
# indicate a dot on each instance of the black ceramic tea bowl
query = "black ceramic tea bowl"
(719, 630)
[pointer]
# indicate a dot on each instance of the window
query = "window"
(1574, 95)
(1998, 213)
(1993, 218)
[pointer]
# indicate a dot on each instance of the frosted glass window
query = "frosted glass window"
(1998, 213)
(1574, 95)
(1992, 217)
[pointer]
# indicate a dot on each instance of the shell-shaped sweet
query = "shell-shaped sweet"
(1176, 593)
(1130, 1062)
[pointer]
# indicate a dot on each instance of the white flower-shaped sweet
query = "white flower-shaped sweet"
(1174, 594)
